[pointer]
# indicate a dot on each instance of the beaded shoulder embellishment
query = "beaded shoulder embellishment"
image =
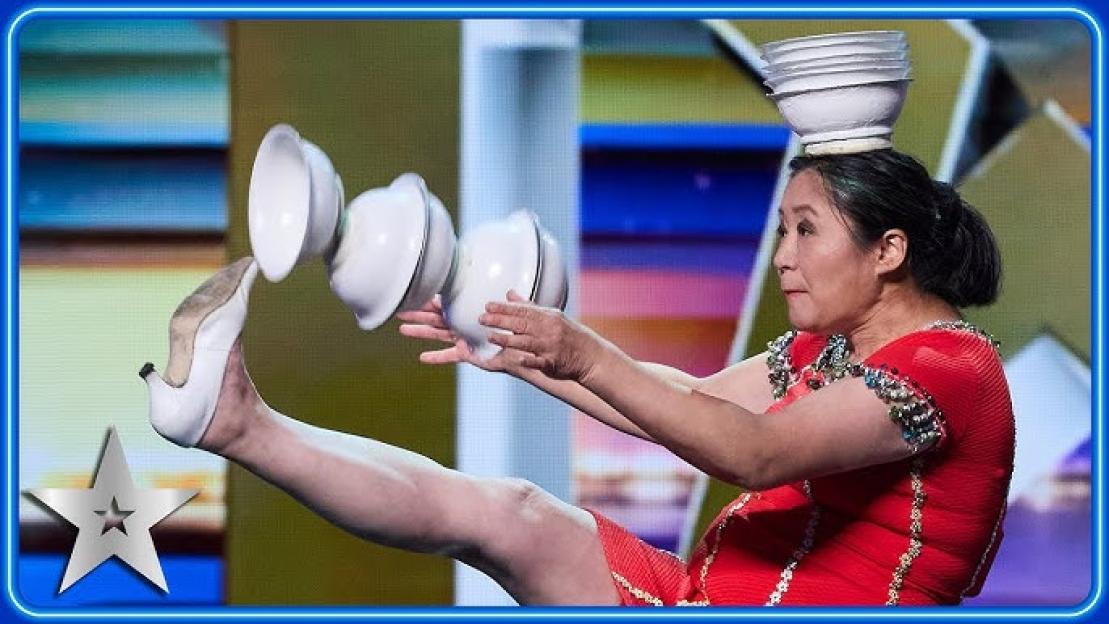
(967, 327)
(921, 421)
(782, 372)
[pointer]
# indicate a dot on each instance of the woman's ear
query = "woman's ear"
(893, 251)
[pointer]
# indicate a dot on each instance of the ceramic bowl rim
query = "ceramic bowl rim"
(862, 34)
(425, 199)
(284, 131)
(783, 94)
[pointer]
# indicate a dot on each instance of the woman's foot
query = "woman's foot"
(238, 409)
(204, 345)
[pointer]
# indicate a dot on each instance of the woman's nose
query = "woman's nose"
(783, 256)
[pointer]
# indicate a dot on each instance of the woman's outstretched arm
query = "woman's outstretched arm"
(744, 383)
(844, 427)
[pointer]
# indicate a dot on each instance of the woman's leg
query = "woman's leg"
(540, 549)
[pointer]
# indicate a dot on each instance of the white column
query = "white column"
(520, 149)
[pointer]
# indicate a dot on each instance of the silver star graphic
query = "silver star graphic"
(113, 502)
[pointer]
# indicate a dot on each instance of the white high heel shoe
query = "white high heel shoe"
(202, 331)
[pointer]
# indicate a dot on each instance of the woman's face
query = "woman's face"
(828, 282)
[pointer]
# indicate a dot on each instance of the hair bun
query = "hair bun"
(950, 206)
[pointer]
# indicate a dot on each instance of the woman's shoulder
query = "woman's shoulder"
(951, 341)
(956, 367)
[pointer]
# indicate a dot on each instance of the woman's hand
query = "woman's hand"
(544, 338)
(428, 323)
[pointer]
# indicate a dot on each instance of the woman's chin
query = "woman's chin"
(799, 320)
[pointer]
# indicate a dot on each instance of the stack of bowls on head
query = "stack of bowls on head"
(840, 93)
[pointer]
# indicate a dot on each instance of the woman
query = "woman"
(874, 442)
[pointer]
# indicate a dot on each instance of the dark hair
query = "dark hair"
(952, 252)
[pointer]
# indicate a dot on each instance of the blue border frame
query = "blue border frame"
(9, 280)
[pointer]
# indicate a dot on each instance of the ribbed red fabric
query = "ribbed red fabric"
(859, 522)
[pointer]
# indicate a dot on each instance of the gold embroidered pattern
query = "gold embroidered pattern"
(916, 529)
(806, 545)
(643, 595)
(651, 599)
(989, 546)
(719, 537)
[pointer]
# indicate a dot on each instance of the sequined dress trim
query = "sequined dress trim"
(916, 531)
(803, 549)
(740, 504)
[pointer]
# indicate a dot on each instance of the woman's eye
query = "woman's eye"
(804, 230)
(781, 231)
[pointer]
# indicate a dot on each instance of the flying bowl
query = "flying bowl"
(294, 200)
(383, 236)
(493, 258)
(553, 287)
(438, 255)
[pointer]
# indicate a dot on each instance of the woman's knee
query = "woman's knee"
(522, 518)
(544, 550)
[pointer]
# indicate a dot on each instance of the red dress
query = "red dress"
(922, 531)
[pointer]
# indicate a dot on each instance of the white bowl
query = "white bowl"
(492, 259)
(861, 60)
(438, 255)
(795, 43)
(836, 49)
(294, 201)
(841, 113)
(553, 287)
(776, 78)
(827, 79)
(383, 235)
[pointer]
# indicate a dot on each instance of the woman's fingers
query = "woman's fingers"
(523, 309)
(435, 304)
(515, 297)
(433, 319)
(515, 341)
(531, 360)
(450, 355)
(427, 332)
(514, 324)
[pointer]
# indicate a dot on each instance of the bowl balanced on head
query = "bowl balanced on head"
(841, 93)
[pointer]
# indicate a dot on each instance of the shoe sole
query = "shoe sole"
(191, 313)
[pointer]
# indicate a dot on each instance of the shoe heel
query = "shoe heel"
(146, 369)
(164, 407)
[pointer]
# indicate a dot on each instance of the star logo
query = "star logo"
(113, 518)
